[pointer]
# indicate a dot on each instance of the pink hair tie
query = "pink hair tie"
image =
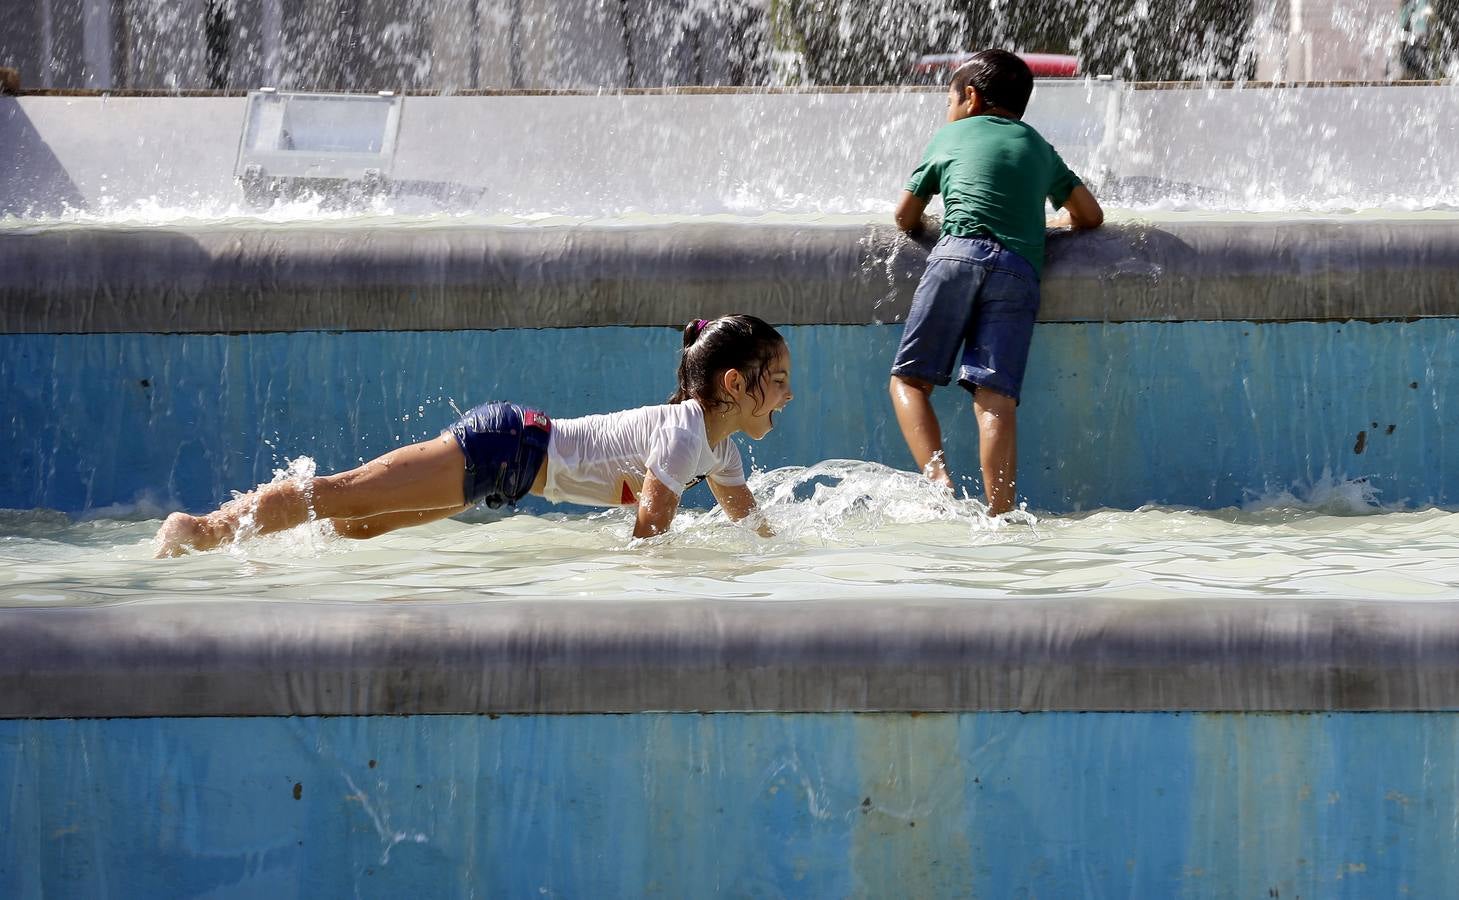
(699, 324)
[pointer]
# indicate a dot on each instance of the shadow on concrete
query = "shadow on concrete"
(32, 180)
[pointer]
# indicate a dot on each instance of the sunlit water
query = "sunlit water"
(845, 530)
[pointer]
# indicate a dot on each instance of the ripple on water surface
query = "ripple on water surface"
(844, 530)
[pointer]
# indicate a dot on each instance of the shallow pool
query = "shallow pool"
(845, 530)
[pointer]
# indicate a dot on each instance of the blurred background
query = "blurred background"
(455, 46)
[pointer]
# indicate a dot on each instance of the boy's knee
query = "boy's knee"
(904, 382)
(993, 403)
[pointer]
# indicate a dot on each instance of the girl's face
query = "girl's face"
(756, 409)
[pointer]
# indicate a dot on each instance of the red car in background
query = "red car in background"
(932, 67)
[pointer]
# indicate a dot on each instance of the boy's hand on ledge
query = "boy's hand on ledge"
(909, 213)
(1081, 211)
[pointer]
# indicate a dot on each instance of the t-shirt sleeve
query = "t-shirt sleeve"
(671, 457)
(730, 469)
(926, 179)
(1062, 181)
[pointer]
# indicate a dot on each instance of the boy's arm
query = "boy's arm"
(1081, 211)
(909, 212)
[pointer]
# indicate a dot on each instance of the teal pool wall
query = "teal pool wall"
(738, 805)
(1202, 414)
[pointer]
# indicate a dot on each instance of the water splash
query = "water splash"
(837, 501)
(1328, 494)
(305, 539)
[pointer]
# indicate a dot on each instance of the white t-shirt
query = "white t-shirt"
(601, 460)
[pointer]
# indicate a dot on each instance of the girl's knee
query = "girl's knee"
(337, 496)
(356, 529)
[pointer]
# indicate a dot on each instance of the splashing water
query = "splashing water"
(414, 44)
(301, 472)
(844, 530)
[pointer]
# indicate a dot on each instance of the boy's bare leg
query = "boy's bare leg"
(912, 400)
(374, 526)
(997, 416)
(427, 475)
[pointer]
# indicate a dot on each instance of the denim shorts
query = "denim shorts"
(505, 446)
(981, 297)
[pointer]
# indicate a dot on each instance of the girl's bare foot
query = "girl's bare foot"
(182, 532)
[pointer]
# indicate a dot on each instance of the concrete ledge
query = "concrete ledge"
(250, 657)
(253, 279)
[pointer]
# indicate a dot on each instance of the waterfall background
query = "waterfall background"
(462, 45)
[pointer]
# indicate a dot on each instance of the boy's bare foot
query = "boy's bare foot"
(182, 532)
(936, 471)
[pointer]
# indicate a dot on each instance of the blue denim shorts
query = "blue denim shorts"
(981, 297)
(505, 446)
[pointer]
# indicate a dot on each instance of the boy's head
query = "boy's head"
(1001, 80)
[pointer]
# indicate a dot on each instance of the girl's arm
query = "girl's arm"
(656, 507)
(738, 502)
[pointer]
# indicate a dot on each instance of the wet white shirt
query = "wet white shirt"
(601, 460)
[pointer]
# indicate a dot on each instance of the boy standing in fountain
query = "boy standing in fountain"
(980, 292)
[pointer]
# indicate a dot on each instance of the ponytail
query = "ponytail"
(746, 344)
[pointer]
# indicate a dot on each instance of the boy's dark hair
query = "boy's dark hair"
(744, 343)
(1002, 79)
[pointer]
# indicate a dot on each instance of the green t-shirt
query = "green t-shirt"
(994, 174)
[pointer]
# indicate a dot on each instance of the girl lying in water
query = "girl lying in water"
(734, 375)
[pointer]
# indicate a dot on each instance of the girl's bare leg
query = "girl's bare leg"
(374, 526)
(425, 476)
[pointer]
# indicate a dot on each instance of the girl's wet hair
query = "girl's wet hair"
(744, 343)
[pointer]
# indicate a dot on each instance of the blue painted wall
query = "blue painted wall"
(832, 805)
(1200, 413)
